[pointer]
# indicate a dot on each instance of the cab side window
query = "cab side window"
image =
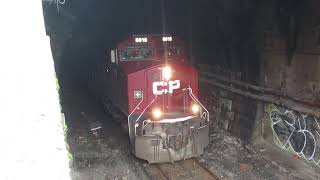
(136, 53)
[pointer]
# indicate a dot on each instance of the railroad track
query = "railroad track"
(190, 169)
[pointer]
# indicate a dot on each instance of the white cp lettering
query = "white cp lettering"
(162, 87)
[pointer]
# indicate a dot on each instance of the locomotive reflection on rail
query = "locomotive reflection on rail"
(150, 80)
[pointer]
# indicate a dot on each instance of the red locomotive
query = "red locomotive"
(150, 79)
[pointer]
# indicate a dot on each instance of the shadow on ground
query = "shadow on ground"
(102, 155)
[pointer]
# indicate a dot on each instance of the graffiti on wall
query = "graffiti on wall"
(59, 3)
(296, 132)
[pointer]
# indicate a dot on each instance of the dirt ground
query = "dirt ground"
(103, 155)
(229, 158)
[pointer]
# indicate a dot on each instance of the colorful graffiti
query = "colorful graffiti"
(296, 132)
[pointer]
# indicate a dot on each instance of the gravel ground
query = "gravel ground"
(227, 157)
(104, 155)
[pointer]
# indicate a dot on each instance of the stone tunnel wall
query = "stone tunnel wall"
(229, 111)
(289, 53)
(291, 63)
(293, 131)
(288, 44)
(228, 44)
(291, 49)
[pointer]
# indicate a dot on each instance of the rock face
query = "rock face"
(231, 112)
(32, 136)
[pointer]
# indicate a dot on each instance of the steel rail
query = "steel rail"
(206, 169)
(178, 170)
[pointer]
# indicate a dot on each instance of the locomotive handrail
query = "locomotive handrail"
(143, 112)
(195, 99)
(146, 108)
(133, 112)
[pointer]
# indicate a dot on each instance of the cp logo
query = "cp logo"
(162, 87)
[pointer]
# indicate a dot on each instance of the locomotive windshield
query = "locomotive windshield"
(171, 51)
(136, 53)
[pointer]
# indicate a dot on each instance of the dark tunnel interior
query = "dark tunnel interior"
(229, 34)
(220, 33)
(217, 32)
(266, 42)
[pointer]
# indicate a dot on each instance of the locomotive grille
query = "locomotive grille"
(176, 142)
(155, 142)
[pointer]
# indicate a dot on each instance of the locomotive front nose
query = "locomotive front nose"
(174, 125)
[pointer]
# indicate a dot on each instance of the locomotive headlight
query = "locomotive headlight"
(195, 108)
(166, 73)
(156, 113)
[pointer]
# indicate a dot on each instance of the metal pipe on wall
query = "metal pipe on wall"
(279, 100)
